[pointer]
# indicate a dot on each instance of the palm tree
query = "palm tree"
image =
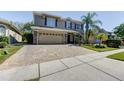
(91, 35)
(90, 23)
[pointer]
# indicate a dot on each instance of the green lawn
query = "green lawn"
(118, 56)
(98, 49)
(11, 50)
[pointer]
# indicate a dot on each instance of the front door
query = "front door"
(70, 38)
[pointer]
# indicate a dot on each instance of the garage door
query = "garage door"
(50, 39)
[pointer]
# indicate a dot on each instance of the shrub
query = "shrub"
(3, 44)
(4, 39)
(113, 43)
(5, 52)
(28, 37)
(77, 39)
(102, 37)
(99, 46)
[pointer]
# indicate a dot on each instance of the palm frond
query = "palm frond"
(83, 17)
(97, 22)
(93, 14)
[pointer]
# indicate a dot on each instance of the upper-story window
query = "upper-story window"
(78, 27)
(73, 26)
(51, 22)
(2, 30)
(68, 24)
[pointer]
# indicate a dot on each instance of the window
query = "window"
(82, 26)
(51, 22)
(73, 25)
(78, 27)
(2, 30)
(68, 24)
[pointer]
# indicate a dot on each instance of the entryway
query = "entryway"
(70, 38)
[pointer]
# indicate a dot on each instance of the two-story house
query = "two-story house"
(52, 29)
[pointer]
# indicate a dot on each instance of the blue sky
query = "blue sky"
(109, 19)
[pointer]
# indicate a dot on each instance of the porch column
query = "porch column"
(74, 38)
(65, 38)
(35, 37)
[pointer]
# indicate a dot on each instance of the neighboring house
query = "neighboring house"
(92, 38)
(111, 35)
(51, 29)
(7, 29)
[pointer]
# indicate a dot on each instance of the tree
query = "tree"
(102, 37)
(28, 37)
(90, 23)
(18, 25)
(23, 27)
(119, 30)
(27, 27)
(91, 35)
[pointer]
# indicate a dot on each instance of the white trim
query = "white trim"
(37, 38)
(38, 29)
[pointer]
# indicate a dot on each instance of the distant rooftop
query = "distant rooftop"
(10, 25)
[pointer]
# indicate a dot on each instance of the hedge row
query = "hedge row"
(3, 44)
(113, 43)
(4, 39)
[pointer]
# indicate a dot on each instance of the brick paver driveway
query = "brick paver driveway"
(30, 54)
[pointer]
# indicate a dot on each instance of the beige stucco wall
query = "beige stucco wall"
(17, 36)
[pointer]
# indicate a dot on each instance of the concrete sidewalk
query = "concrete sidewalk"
(90, 67)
